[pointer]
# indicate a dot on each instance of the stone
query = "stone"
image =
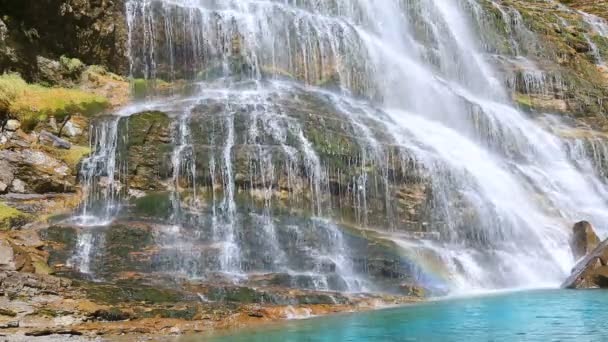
(413, 290)
(583, 240)
(49, 70)
(49, 139)
(18, 186)
(39, 172)
(12, 125)
(72, 130)
(591, 271)
(8, 325)
(3, 187)
(7, 257)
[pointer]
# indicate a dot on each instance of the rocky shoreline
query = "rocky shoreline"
(35, 303)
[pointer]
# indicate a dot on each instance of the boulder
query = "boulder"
(38, 172)
(72, 130)
(591, 271)
(7, 256)
(18, 186)
(49, 70)
(583, 240)
(49, 139)
(12, 125)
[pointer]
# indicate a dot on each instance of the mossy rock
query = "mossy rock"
(142, 88)
(125, 292)
(186, 314)
(71, 157)
(111, 315)
(11, 217)
(239, 295)
(157, 205)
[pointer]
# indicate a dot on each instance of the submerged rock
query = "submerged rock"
(583, 240)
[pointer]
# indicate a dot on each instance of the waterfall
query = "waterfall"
(422, 98)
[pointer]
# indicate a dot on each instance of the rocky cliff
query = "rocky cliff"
(258, 171)
(34, 31)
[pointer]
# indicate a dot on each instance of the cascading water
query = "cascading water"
(419, 95)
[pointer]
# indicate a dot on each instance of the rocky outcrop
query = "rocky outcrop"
(592, 270)
(92, 31)
(584, 240)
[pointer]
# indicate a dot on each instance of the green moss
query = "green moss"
(123, 292)
(141, 88)
(239, 295)
(187, 314)
(11, 217)
(7, 312)
(142, 125)
(112, 315)
(72, 66)
(156, 205)
(73, 156)
(41, 267)
(524, 101)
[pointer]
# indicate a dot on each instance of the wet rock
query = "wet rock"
(12, 125)
(583, 240)
(413, 290)
(149, 150)
(591, 271)
(49, 139)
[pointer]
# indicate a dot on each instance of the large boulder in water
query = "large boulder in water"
(591, 271)
(583, 240)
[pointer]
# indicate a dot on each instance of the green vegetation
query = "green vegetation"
(71, 157)
(9, 217)
(31, 103)
(73, 66)
(143, 87)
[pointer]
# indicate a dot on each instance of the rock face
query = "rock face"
(93, 31)
(584, 240)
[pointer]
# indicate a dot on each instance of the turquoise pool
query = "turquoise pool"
(547, 315)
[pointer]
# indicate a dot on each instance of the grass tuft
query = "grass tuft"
(31, 103)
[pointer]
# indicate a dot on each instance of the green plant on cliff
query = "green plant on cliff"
(31, 103)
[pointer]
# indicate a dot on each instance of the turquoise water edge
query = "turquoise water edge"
(543, 315)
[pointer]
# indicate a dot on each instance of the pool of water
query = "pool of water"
(548, 315)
